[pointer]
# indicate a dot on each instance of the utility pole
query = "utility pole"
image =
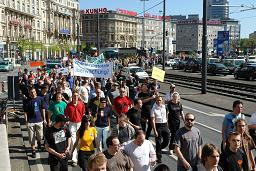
(163, 35)
(204, 48)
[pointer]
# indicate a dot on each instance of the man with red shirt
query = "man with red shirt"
(121, 103)
(75, 110)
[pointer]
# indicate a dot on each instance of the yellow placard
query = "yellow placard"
(158, 74)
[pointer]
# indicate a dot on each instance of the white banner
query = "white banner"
(83, 69)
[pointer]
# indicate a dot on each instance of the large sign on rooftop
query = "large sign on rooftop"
(94, 11)
(126, 12)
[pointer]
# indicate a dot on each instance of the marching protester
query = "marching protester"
(175, 112)
(247, 143)
(117, 160)
(141, 151)
(74, 111)
(229, 121)
(97, 162)
(56, 108)
(147, 100)
(159, 125)
(123, 130)
(210, 158)
(134, 114)
(102, 123)
(121, 103)
(57, 143)
(86, 138)
(34, 110)
(233, 158)
(188, 145)
(168, 95)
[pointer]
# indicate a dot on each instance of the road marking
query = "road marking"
(208, 127)
(208, 114)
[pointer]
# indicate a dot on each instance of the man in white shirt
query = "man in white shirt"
(141, 151)
(159, 124)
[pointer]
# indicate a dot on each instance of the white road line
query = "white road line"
(208, 114)
(208, 127)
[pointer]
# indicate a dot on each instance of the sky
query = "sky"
(180, 7)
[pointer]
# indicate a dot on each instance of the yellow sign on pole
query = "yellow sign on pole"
(158, 74)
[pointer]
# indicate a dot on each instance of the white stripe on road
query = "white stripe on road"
(211, 114)
(208, 114)
(208, 127)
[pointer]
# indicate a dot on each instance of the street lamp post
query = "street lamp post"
(163, 35)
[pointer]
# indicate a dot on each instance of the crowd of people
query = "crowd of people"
(106, 124)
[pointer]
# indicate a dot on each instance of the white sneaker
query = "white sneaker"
(171, 152)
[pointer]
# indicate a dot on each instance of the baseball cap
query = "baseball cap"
(61, 118)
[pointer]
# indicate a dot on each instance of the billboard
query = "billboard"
(222, 43)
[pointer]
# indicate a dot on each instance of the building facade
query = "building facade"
(189, 35)
(116, 28)
(154, 33)
(218, 9)
(27, 27)
(123, 29)
(251, 35)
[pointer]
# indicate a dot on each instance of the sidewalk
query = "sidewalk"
(210, 99)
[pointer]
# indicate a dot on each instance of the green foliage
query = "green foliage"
(248, 44)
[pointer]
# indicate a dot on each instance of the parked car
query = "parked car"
(170, 62)
(247, 71)
(213, 60)
(217, 68)
(134, 70)
(6, 66)
(179, 65)
(193, 64)
(232, 64)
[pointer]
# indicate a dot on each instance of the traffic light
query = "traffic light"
(166, 33)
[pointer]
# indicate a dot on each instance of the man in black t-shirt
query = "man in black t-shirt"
(233, 158)
(57, 143)
(147, 100)
(134, 114)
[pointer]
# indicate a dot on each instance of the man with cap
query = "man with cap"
(57, 143)
(168, 95)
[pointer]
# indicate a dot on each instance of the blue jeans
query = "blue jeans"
(102, 135)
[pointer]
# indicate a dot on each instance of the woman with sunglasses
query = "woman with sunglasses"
(86, 137)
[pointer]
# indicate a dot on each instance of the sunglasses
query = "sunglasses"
(188, 119)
